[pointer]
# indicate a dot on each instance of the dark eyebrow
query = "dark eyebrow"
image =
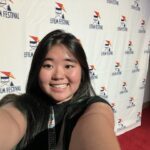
(71, 60)
(66, 59)
(51, 59)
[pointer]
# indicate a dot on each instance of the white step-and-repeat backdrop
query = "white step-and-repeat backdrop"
(115, 35)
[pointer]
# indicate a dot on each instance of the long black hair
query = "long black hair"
(71, 43)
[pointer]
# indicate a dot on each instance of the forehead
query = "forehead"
(60, 52)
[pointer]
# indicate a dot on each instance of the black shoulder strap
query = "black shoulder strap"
(81, 105)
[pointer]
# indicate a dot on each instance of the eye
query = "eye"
(47, 66)
(69, 66)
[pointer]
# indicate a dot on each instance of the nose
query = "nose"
(58, 73)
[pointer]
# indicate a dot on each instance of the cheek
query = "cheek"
(43, 75)
(76, 76)
(40, 75)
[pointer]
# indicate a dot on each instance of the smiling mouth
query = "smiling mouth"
(59, 85)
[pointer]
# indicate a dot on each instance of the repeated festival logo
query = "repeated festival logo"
(33, 42)
(129, 48)
(103, 92)
(107, 50)
(92, 72)
(7, 85)
(138, 117)
(136, 67)
(120, 124)
(59, 17)
(117, 70)
(123, 24)
(114, 2)
(6, 10)
(113, 105)
(131, 102)
(142, 27)
(96, 21)
(124, 88)
(135, 5)
(142, 84)
(147, 50)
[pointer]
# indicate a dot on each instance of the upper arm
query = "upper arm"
(95, 130)
(12, 127)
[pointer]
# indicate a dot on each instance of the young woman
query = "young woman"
(60, 110)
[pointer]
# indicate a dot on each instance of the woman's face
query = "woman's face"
(60, 74)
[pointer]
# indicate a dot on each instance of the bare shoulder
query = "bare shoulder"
(15, 114)
(95, 129)
(13, 126)
(100, 111)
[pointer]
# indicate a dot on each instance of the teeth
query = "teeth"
(59, 85)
